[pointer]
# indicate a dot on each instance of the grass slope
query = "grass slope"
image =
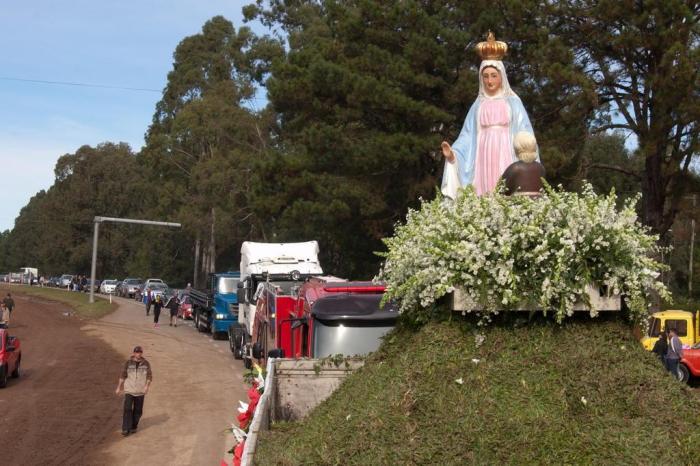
(79, 302)
(522, 403)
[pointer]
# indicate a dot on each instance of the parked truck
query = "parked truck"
(687, 325)
(215, 309)
(266, 267)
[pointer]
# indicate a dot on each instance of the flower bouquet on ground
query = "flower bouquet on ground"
(246, 411)
(502, 251)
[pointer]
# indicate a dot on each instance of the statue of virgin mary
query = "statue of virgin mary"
(484, 148)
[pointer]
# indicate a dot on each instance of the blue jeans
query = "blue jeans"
(672, 366)
(133, 409)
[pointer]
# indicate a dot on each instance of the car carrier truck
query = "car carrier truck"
(265, 266)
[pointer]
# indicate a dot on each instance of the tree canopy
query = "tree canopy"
(361, 92)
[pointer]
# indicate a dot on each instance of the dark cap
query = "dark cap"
(137, 349)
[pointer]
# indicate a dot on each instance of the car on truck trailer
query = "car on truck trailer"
(266, 265)
(215, 309)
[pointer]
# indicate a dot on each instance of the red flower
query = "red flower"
(244, 419)
(254, 397)
(238, 453)
(223, 463)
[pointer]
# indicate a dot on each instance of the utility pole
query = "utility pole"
(692, 245)
(98, 220)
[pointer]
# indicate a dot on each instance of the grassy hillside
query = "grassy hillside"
(585, 392)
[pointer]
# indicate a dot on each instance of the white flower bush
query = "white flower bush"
(504, 251)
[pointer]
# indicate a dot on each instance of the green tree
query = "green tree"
(202, 140)
(643, 59)
(54, 230)
(365, 94)
(601, 153)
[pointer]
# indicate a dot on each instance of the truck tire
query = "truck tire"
(15, 373)
(683, 373)
(3, 376)
(199, 323)
(231, 344)
(247, 363)
(236, 341)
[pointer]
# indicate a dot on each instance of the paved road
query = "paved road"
(64, 408)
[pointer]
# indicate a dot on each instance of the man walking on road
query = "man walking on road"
(134, 382)
(9, 302)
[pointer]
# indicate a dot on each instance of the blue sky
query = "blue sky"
(124, 44)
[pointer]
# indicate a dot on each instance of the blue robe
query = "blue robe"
(465, 145)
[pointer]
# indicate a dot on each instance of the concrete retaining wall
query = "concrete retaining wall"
(293, 387)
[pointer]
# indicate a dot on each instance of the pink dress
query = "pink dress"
(494, 151)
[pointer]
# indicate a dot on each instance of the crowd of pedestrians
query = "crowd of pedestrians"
(156, 302)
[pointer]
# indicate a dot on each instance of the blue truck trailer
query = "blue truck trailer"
(216, 308)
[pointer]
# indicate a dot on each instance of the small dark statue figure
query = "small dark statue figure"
(524, 177)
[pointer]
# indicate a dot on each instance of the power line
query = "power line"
(101, 86)
(68, 83)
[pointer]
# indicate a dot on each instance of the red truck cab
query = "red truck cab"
(10, 356)
(327, 316)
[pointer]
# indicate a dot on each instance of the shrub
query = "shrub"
(506, 250)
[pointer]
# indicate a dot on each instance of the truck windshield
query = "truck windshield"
(349, 341)
(654, 327)
(227, 285)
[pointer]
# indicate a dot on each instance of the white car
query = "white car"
(65, 280)
(108, 286)
(153, 281)
(159, 289)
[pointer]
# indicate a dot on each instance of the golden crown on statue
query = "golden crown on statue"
(492, 49)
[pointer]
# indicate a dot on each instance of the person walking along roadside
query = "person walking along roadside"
(9, 302)
(157, 306)
(134, 381)
(148, 300)
(661, 348)
(4, 316)
(172, 305)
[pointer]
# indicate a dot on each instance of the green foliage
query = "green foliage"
(361, 93)
(583, 393)
(367, 91)
(202, 142)
(54, 231)
(643, 59)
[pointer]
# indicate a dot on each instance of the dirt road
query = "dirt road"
(63, 410)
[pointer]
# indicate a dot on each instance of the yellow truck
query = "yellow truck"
(686, 323)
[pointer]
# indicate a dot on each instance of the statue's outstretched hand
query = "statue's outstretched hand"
(447, 152)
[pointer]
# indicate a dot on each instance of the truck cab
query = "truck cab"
(685, 323)
(216, 308)
(328, 316)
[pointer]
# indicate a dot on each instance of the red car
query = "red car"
(10, 357)
(689, 365)
(184, 311)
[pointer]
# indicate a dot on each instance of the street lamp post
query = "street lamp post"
(98, 220)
